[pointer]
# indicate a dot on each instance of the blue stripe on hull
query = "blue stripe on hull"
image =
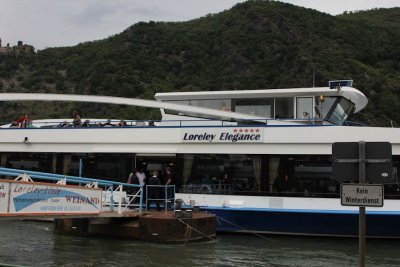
(305, 223)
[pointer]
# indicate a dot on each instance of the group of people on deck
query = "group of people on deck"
(138, 177)
(23, 122)
(26, 122)
(77, 122)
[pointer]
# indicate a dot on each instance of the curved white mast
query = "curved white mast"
(211, 113)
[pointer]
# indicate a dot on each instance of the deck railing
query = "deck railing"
(56, 124)
(161, 193)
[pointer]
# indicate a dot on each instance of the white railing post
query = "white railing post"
(166, 198)
(111, 198)
(120, 199)
(24, 177)
(141, 200)
(62, 181)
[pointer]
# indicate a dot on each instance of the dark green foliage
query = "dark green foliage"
(254, 45)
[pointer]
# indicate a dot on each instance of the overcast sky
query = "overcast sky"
(54, 23)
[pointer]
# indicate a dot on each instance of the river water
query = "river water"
(26, 243)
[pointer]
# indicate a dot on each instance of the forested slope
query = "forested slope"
(254, 45)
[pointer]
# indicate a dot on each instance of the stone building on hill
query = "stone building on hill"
(19, 49)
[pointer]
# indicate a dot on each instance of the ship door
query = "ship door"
(304, 108)
(155, 162)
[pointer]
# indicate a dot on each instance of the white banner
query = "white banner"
(4, 197)
(26, 197)
(223, 135)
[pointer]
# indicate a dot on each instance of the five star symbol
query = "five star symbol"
(246, 130)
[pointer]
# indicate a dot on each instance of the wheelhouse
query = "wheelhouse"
(330, 105)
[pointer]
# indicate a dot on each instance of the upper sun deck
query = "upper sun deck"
(350, 93)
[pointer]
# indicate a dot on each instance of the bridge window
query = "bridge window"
(334, 109)
(284, 108)
(340, 111)
(256, 107)
(304, 107)
(220, 104)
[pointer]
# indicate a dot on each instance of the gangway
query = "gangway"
(64, 196)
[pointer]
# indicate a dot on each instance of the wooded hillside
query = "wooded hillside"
(254, 45)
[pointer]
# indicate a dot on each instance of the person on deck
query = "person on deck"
(154, 191)
(139, 173)
(63, 124)
(122, 123)
(86, 124)
(29, 124)
(14, 124)
(132, 179)
(108, 124)
(77, 121)
(23, 121)
(169, 190)
(168, 176)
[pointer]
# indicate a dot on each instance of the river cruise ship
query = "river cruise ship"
(261, 160)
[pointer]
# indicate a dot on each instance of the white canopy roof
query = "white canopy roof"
(211, 113)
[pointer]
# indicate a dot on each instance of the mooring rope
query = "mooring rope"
(242, 228)
(188, 234)
(194, 229)
(236, 225)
